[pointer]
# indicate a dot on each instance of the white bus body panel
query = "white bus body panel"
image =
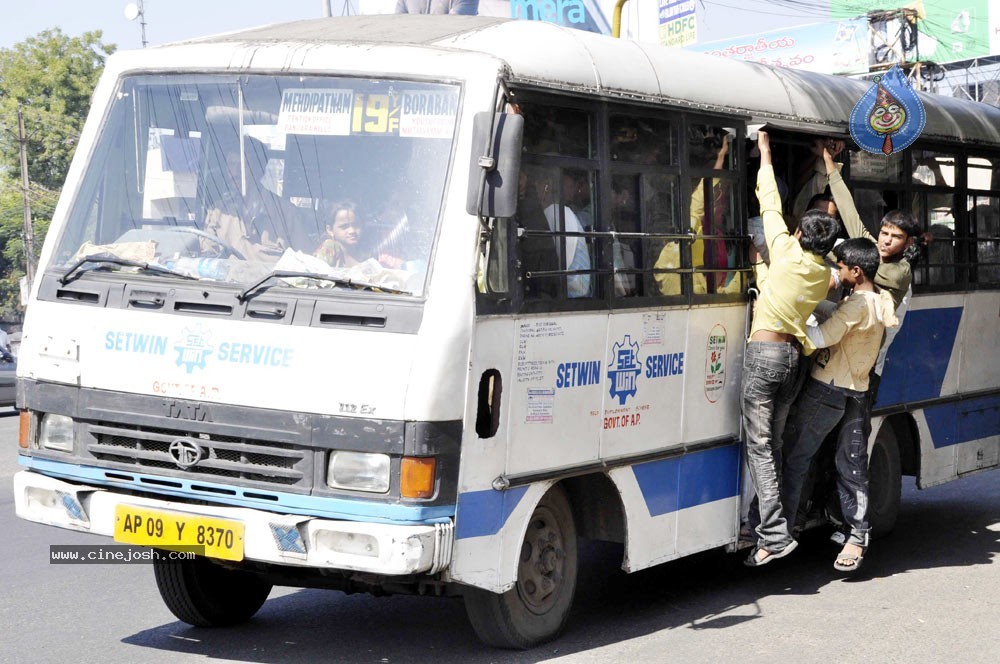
(947, 346)
(583, 389)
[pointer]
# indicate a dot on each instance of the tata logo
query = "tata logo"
(181, 410)
(624, 369)
(186, 453)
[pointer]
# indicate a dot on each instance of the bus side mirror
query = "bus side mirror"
(499, 160)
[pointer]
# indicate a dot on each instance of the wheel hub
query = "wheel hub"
(540, 572)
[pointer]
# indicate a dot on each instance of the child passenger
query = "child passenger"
(342, 246)
(897, 234)
(850, 339)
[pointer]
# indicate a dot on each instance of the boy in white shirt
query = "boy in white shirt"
(850, 340)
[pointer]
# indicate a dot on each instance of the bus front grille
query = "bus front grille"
(223, 458)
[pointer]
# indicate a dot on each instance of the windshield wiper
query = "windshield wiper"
(243, 295)
(77, 268)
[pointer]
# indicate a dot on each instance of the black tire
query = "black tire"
(535, 610)
(884, 482)
(204, 594)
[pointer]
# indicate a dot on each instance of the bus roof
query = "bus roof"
(551, 55)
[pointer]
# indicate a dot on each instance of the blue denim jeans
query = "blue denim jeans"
(771, 379)
(851, 460)
(818, 410)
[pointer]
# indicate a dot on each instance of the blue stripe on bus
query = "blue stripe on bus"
(694, 479)
(482, 513)
(962, 421)
(286, 503)
(919, 355)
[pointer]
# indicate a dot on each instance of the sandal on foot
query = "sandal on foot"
(848, 562)
(753, 561)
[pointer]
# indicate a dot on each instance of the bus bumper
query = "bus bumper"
(285, 539)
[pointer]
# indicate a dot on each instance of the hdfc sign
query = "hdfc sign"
(678, 23)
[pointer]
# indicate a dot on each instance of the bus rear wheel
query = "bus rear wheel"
(884, 482)
(535, 610)
(204, 594)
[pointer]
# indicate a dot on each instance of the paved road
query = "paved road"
(929, 593)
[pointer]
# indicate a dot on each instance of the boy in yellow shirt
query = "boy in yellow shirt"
(797, 280)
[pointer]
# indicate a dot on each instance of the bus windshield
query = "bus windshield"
(234, 178)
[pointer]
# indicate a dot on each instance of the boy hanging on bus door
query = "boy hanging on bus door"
(899, 230)
(896, 246)
(797, 280)
(849, 341)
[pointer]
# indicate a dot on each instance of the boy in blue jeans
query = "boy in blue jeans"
(850, 340)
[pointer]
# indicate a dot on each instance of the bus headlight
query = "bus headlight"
(56, 433)
(358, 471)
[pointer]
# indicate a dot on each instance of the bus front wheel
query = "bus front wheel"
(536, 608)
(204, 594)
(884, 482)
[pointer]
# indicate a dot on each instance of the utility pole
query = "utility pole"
(29, 233)
(142, 23)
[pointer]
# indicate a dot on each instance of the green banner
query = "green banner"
(949, 30)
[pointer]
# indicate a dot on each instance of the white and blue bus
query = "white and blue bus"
(534, 333)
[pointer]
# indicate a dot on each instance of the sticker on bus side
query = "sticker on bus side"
(715, 364)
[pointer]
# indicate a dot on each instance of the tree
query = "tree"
(50, 77)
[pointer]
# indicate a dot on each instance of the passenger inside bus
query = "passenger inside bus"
(242, 211)
(708, 215)
(537, 252)
(624, 218)
(342, 246)
(571, 249)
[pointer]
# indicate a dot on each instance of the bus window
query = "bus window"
(876, 167)
(556, 255)
(644, 194)
(560, 131)
(712, 210)
(556, 204)
(873, 204)
(933, 169)
(708, 147)
(627, 250)
(984, 174)
(936, 215)
(984, 220)
(647, 141)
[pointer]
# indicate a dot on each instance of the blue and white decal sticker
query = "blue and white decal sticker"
(193, 348)
(624, 369)
(185, 363)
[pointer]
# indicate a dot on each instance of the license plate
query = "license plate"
(218, 538)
